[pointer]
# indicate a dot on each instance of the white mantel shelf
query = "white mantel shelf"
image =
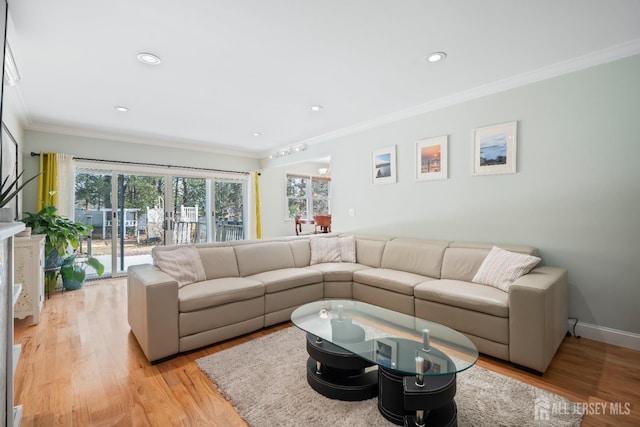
(8, 229)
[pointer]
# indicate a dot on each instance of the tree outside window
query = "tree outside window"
(308, 196)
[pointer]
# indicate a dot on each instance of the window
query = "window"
(308, 196)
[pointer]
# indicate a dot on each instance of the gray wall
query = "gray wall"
(119, 151)
(576, 193)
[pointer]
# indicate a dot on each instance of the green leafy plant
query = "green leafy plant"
(74, 272)
(62, 234)
(62, 238)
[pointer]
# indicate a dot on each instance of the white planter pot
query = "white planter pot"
(7, 215)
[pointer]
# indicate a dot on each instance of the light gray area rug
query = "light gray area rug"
(265, 380)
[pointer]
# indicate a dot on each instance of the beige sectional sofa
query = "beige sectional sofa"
(248, 285)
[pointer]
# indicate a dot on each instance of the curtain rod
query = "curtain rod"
(34, 154)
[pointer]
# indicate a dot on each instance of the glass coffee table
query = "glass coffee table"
(358, 350)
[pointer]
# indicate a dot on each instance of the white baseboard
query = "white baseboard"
(606, 335)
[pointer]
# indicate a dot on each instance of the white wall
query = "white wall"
(576, 194)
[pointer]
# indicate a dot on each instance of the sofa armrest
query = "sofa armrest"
(538, 307)
(152, 310)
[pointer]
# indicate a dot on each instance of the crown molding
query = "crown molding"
(592, 59)
(184, 145)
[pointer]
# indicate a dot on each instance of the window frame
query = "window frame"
(309, 194)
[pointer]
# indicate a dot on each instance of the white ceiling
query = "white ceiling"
(232, 68)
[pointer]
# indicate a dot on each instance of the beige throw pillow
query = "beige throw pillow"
(182, 263)
(347, 248)
(501, 268)
(324, 249)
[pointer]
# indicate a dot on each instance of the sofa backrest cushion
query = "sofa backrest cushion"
(259, 257)
(523, 249)
(416, 256)
(219, 262)
(462, 260)
(301, 252)
(369, 250)
(462, 263)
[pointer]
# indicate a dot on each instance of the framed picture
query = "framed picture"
(431, 159)
(384, 165)
(494, 149)
(9, 163)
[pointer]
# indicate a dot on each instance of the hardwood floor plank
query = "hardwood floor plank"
(81, 366)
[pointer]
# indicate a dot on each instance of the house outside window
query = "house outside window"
(308, 196)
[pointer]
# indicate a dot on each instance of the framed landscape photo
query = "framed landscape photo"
(431, 159)
(383, 165)
(494, 149)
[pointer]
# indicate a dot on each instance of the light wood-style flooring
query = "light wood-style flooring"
(81, 366)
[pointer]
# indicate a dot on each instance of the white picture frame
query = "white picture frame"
(432, 158)
(494, 149)
(383, 165)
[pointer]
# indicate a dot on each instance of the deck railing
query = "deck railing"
(229, 232)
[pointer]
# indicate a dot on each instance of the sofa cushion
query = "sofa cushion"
(369, 250)
(301, 249)
(391, 280)
(211, 293)
(324, 249)
(470, 296)
(259, 257)
(501, 268)
(219, 262)
(347, 248)
(522, 249)
(462, 263)
(180, 262)
(338, 271)
(423, 257)
(287, 278)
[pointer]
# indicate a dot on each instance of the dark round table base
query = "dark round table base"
(399, 399)
(339, 374)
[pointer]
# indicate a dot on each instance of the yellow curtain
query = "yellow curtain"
(47, 182)
(257, 191)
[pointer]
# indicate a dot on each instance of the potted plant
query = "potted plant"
(62, 234)
(9, 190)
(74, 272)
(62, 238)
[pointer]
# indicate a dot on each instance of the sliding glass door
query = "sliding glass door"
(133, 212)
(127, 214)
(137, 222)
(191, 211)
(229, 215)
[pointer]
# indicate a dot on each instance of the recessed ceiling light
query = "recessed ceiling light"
(315, 108)
(149, 58)
(121, 108)
(436, 56)
(256, 134)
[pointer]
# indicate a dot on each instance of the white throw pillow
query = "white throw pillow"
(501, 268)
(324, 249)
(182, 263)
(347, 248)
